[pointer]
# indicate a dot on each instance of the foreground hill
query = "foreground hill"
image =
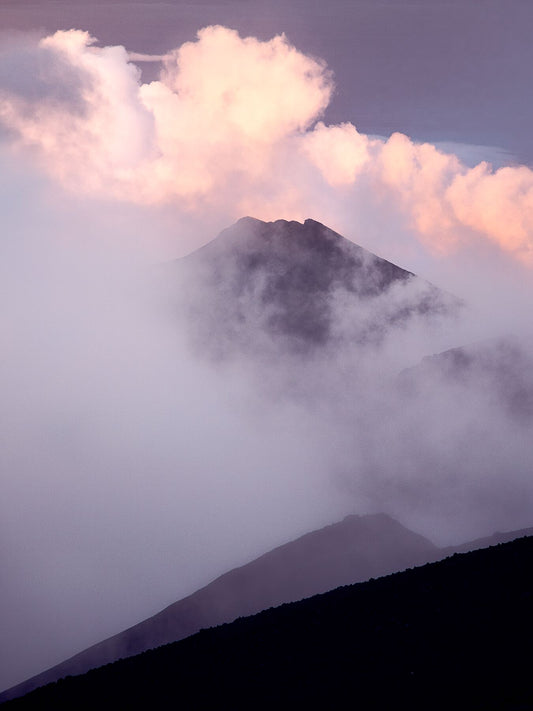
(453, 634)
(353, 550)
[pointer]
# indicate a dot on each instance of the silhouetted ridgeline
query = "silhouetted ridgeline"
(350, 551)
(449, 635)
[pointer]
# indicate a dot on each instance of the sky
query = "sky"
(131, 133)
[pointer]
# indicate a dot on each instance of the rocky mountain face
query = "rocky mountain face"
(299, 287)
(355, 549)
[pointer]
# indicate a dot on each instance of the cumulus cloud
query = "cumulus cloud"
(339, 152)
(497, 204)
(231, 125)
(222, 105)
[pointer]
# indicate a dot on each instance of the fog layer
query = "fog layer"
(136, 467)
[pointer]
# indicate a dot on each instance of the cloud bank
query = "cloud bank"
(231, 126)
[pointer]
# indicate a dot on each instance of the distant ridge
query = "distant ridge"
(453, 634)
(488, 541)
(502, 366)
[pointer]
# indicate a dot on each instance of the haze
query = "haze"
(134, 470)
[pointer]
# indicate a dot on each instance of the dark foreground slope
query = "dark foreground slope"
(453, 634)
(353, 550)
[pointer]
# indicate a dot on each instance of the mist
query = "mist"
(136, 467)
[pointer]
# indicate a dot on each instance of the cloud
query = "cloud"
(497, 204)
(339, 152)
(220, 108)
(231, 125)
(93, 131)
(142, 57)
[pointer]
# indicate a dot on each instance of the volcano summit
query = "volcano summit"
(302, 286)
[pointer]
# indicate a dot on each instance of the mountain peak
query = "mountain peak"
(279, 234)
(300, 285)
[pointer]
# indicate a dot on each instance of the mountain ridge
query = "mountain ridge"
(356, 548)
(449, 634)
(240, 592)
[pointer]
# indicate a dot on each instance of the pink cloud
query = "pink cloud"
(231, 126)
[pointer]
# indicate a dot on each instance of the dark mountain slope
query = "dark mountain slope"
(353, 550)
(453, 634)
(302, 286)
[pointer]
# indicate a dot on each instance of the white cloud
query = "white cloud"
(230, 127)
